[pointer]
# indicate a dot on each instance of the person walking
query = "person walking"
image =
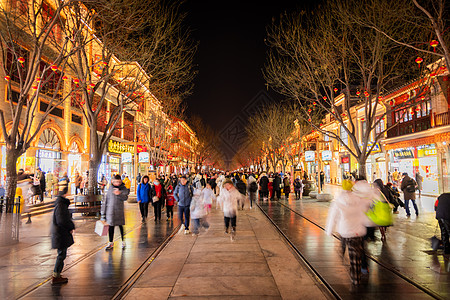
(252, 189)
(198, 212)
(322, 179)
(419, 181)
(443, 217)
(127, 182)
(394, 196)
(347, 217)
(264, 186)
(277, 186)
(170, 202)
(230, 207)
(62, 234)
(408, 188)
(78, 180)
(183, 194)
(144, 194)
(157, 199)
(298, 188)
(208, 197)
(242, 188)
(113, 209)
(286, 186)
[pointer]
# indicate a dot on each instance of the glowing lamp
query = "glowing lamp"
(76, 80)
(7, 78)
(38, 79)
(54, 68)
(309, 120)
(65, 78)
(92, 84)
(366, 94)
(21, 60)
(434, 44)
(391, 103)
(309, 110)
(34, 87)
(324, 97)
(358, 93)
(335, 90)
(419, 60)
(314, 103)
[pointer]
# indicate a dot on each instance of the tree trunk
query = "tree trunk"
(11, 175)
(362, 168)
(95, 155)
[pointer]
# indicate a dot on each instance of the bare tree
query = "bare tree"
(30, 32)
(205, 148)
(335, 62)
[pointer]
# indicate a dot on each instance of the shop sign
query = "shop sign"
(326, 155)
(114, 160)
(141, 148)
(345, 160)
(310, 155)
(48, 154)
(426, 150)
(127, 157)
(30, 161)
(144, 157)
(375, 149)
(403, 153)
(118, 147)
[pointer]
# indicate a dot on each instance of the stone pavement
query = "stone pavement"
(257, 265)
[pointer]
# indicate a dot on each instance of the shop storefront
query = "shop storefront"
(376, 164)
(49, 156)
(120, 159)
(344, 166)
(422, 159)
(326, 160)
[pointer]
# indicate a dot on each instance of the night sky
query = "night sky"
(231, 54)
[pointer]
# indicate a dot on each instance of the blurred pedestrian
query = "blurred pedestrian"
(264, 186)
(252, 189)
(394, 197)
(170, 202)
(408, 187)
(208, 197)
(286, 186)
(144, 194)
(419, 181)
(347, 217)
(183, 194)
(198, 212)
(230, 207)
(62, 234)
(113, 210)
(443, 217)
(277, 186)
(78, 180)
(127, 182)
(298, 188)
(322, 179)
(157, 199)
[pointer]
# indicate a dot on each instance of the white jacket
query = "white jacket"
(230, 203)
(208, 196)
(197, 206)
(347, 215)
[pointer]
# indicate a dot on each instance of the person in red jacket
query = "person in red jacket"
(170, 201)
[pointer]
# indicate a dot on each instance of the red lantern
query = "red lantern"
(92, 84)
(380, 98)
(54, 68)
(309, 111)
(107, 111)
(314, 103)
(391, 103)
(76, 80)
(21, 60)
(38, 79)
(309, 120)
(358, 93)
(321, 124)
(7, 78)
(335, 90)
(34, 87)
(362, 119)
(419, 60)
(324, 97)
(418, 108)
(65, 78)
(366, 94)
(434, 44)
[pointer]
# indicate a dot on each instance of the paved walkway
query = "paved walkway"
(257, 265)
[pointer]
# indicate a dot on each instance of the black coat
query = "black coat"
(241, 187)
(264, 183)
(276, 183)
(443, 207)
(62, 224)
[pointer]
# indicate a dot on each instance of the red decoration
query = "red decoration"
(76, 80)
(34, 87)
(362, 119)
(21, 60)
(54, 68)
(324, 97)
(309, 111)
(366, 94)
(38, 79)
(419, 60)
(65, 77)
(309, 120)
(92, 84)
(314, 103)
(434, 44)
(335, 90)
(391, 103)
(358, 93)
(7, 78)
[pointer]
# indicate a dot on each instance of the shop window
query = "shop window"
(49, 139)
(379, 126)
(343, 135)
(12, 67)
(57, 112)
(74, 148)
(77, 119)
(128, 120)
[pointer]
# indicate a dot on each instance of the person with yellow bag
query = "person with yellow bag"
(380, 211)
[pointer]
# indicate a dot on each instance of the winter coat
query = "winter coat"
(230, 203)
(208, 195)
(443, 207)
(197, 206)
(242, 187)
(113, 207)
(264, 183)
(298, 185)
(62, 224)
(252, 186)
(127, 183)
(144, 192)
(276, 183)
(408, 195)
(183, 193)
(287, 185)
(158, 191)
(419, 181)
(347, 216)
(170, 199)
(78, 180)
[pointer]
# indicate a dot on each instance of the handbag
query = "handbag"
(380, 212)
(155, 199)
(436, 243)
(101, 228)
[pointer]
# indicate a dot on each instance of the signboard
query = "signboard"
(403, 153)
(118, 147)
(310, 155)
(144, 157)
(326, 155)
(345, 160)
(426, 150)
(127, 157)
(375, 149)
(141, 148)
(48, 154)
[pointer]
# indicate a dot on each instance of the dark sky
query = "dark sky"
(231, 53)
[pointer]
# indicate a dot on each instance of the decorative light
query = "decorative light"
(76, 80)
(92, 84)
(38, 79)
(309, 111)
(314, 103)
(335, 90)
(309, 120)
(324, 97)
(434, 44)
(419, 60)
(358, 93)
(391, 103)
(21, 60)
(34, 87)
(366, 93)
(7, 78)
(65, 78)
(54, 68)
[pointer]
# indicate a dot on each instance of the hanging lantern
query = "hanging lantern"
(92, 85)
(335, 90)
(104, 63)
(419, 60)
(21, 60)
(314, 103)
(380, 98)
(82, 102)
(76, 80)
(309, 120)
(343, 114)
(366, 93)
(7, 78)
(362, 119)
(309, 111)
(54, 68)
(65, 78)
(358, 93)
(324, 97)
(320, 124)
(418, 108)
(119, 81)
(107, 111)
(38, 79)
(34, 87)
(434, 44)
(391, 103)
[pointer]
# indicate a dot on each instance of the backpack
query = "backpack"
(411, 186)
(253, 187)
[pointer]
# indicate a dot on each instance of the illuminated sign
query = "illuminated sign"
(326, 155)
(48, 154)
(127, 157)
(310, 155)
(141, 148)
(118, 147)
(144, 157)
(345, 160)
(403, 153)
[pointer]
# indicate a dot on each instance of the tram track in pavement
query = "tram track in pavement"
(320, 277)
(125, 287)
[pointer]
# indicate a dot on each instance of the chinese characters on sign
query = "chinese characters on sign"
(118, 147)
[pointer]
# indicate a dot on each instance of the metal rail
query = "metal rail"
(371, 257)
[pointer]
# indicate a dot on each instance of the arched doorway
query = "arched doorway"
(48, 155)
(74, 163)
